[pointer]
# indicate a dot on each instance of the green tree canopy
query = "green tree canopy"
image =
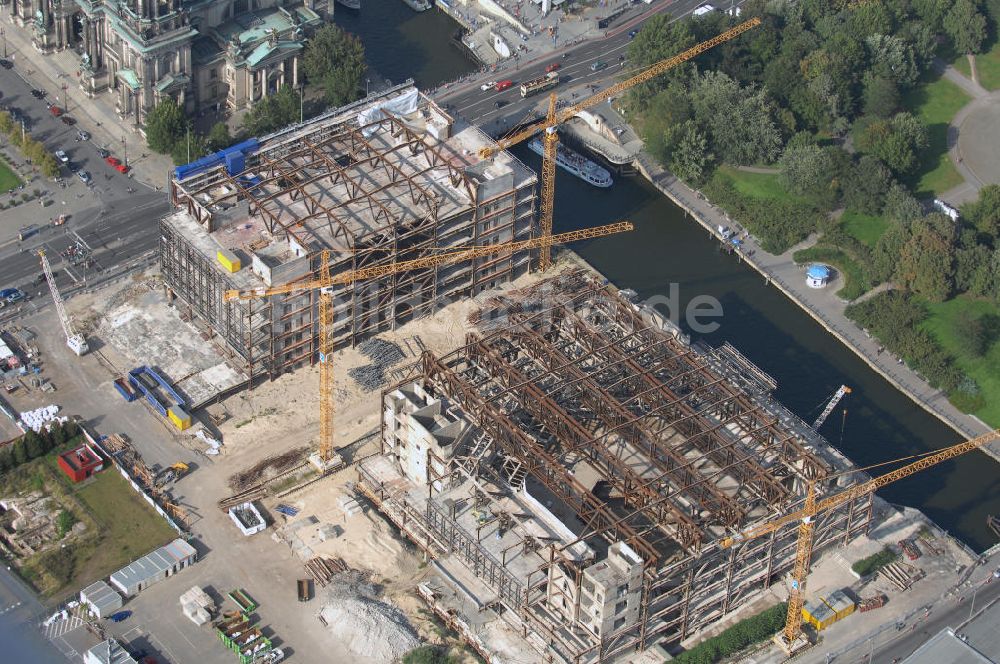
(219, 137)
(273, 112)
(165, 124)
(740, 119)
(966, 26)
(927, 261)
(984, 214)
(810, 171)
(881, 96)
(866, 184)
(335, 60)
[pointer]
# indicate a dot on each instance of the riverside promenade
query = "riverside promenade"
(822, 304)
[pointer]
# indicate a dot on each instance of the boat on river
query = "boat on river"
(419, 5)
(350, 4)
(575, 163)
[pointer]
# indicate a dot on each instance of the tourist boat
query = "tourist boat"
(419, 5)
(350, 4)
(576, 164)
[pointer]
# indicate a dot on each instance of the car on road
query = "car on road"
(104, 153)
(67, 120)
(55, 110)
(701, 10)
(996, 573)
(503, 85)
(553, 67)
(500, 104)
(83, 135)
(632, 34)
(599, 65)
(11, 295)
(6, 64)
(38, 94)
(84, 177)
(488, 86)
(62, 156)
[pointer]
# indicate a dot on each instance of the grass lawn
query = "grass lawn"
(987, 64)
(854, 280)
(941, 323)
(758, 185)
(863, 227)
(935, 102)
(8, 179)
(129, 528)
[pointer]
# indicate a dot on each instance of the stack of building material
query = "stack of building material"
(41, 417)
(871, 603)
(247, 518)
(197, 605)
(323, 569)
(900, 574)
(349, 504)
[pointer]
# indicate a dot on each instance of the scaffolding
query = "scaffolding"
(590, 411)
(370, 188)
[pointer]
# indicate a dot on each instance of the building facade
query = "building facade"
(201, 53)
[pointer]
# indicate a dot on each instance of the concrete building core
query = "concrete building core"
(575, 471)
(387, 179)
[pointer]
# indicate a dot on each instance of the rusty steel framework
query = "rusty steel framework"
(369, 194)
(684, 457)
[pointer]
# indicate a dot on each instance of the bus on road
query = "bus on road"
(540, 84)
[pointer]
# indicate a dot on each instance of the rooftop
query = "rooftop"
(354, 178)
(80, 458)
(108, 652)
(945, 646)
(100, 594)
(153, 564)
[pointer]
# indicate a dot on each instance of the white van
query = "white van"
(701, 10)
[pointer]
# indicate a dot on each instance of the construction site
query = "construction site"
(384, 180)
(576, 469)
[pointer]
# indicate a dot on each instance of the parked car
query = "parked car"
(67, 120)
(598, 66)
(55, 110)
(488, 86)
(6, 64)
(121, 168)
(104, 153)
(120, 616)
(73, 167)
(503, 85)
(83, 135)
(11, 295)
(112, 161)
(38, 94)
(84, 176)
(62, 156)
(553, 67)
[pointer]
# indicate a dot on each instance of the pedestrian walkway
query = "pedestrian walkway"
(50, 72)
(822, 304)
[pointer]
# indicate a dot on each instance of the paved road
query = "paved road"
(18, 608)
(479, 107)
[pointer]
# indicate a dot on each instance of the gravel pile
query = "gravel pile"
(370, 376)
(365, 624)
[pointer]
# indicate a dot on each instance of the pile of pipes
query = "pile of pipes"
(900, 574)
(40, 418)
(272, 465)
(383, 354)
(322, 569)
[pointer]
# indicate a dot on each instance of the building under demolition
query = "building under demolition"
(575, 471)
(390, 178)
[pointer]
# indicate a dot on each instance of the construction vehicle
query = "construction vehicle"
(172, 474)
(325, 459)
(791, 638)
(555, 117)
(75, 341)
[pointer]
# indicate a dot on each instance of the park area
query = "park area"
(935, 102)
(987, 66)
(79, 532)
(8, 178)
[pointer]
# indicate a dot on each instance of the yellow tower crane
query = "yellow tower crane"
(326, 459)
(806, 517)
(554, 118)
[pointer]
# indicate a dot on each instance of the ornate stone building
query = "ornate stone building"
(202, 53)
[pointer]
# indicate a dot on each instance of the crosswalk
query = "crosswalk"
(60, 627)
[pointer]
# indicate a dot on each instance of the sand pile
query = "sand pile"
(365, 624)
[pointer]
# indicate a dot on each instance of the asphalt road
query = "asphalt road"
(114, 227)
(479, 107)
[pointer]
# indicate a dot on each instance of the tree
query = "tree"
(897, 142)
(218, 137)
(188, 147)
(932, 12)
(335, 60)
(33, 445)
(6, 460)
(666, 111)
(20, 452)
(273, 112)
(810, 171)
(165, 125)
(64, 522)
(885, 255)
(691, 157)
(865, 185)
(984, 213)
(48, 166)
(901, 206)
(881, 96)
(892, 58)
(740, 119)
(927, 262)
(966, 26)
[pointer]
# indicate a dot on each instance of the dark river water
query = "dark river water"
(808, 363)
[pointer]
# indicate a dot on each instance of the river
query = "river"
(808, 363)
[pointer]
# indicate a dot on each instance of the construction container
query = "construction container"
(124, 389)
(179, 417)
(304, 590)
(840, 603)
(818, 614)
(228, 260)
(243, 600)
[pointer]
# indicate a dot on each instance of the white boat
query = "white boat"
(419, 5)
(350, 4)
(576, 164)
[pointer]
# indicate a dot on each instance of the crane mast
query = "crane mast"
(834, 400)
(75, 341)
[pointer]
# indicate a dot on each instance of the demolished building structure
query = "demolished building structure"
(390, 178)
(575, 471)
